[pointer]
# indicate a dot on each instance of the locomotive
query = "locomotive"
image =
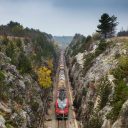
(62, 102)
(62, 105)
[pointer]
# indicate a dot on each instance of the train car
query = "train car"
(61, 67)
(62, 105)
(62, 102)
(61, 77)
(61, 84)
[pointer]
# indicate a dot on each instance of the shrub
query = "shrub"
(77, 102)
(122, 70)
(5, 40)
(104, 90)
(101, 47)
(10, 50)
(84, 91)
(94, 122)
(9, 126)
(88, 62)
(2, 77)
(24, 64)
(19, 43)
(120, 96)
(35, 106)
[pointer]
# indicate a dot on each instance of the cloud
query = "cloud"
(62, 17)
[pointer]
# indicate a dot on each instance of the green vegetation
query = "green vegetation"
(84, 91)
(77, 102)
(94, 122)
(101, 47)
(13, 49)
(24, 64)
(2, 77)
(107, 25)
(40, 50)
(122, 70)
(10, 50)
(5, 40)
(82, 43)
(86, 42)
(88, 62)
(9, 126)
(104, 90)
(120, 96)
(4, 94)
(89, 59)
(27, 49)
(121, 88)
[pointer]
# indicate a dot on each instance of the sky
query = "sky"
(63, 17)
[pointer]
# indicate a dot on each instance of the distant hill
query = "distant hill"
(63, 41)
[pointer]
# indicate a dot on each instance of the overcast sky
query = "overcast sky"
(63, 17)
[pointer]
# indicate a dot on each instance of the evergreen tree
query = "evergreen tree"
(107, 25)
(113, 24)
(24, 64)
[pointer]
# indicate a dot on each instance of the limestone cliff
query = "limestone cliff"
(23, 103)
(98, 72)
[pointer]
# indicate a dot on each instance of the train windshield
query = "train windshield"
(62, 94)
(62, 103)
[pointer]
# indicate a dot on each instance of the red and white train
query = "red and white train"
(62, 101)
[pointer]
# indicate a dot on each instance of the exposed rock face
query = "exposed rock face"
(2, 122)
(23, 103)
(23, 93)
(93, 81)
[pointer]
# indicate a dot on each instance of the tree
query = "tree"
(107, 25)
(104, 26)
(44, 77)
(24, 64)
(113, 24)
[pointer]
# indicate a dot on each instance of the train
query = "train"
(62, 101)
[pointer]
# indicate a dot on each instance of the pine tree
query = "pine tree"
(113, 24)
(107, 25)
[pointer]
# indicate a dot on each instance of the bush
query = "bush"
(9, 126)
(101, 47)
(121, 89)
(104, 90)
(120, 96)
(88, 62)
(94, 122)
(77, 102)
(5, 40)
(84, 91)
(24, 64)
(19, 43)
(2, 77)
(35, 106)
(122, 70)
(10, 50)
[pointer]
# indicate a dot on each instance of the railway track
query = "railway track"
(62, 124)
(62, 81)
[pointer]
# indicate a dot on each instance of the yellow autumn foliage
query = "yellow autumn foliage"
(44, 77)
